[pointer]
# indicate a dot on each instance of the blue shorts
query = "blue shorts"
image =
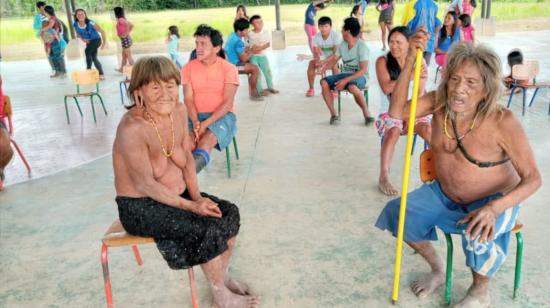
(360, 82)
(428, 207)
(225, 128)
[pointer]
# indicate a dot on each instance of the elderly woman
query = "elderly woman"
(156, 184)
(484, 164)
(209, 87)
(388, 69)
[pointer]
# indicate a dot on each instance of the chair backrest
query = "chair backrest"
(534, 68)
(127, 71)
(85, 77)
(427, 166)
(521, 72)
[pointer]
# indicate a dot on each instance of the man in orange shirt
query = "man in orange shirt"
(209, 87)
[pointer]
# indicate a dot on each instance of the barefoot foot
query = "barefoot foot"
(477, 297)
(238, 287)
(425, 286)
(226, 299)
(387, 188)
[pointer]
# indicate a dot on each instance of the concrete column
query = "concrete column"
(278, 36)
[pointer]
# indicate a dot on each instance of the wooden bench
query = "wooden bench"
(116, 236)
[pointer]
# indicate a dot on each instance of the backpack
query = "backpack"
(64, 31)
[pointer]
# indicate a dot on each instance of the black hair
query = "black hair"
(49, 9)
(515, 57)
(466, 20)
(214, 35)
(473, 3)
(119, 12)
(443, 32)
(86, 20)
(351, 24)
(241, 24)
(174, 30)
(40, 4)
(354, 10)
(391, 62)
(254, 17)
(320, 5)
(325, 20)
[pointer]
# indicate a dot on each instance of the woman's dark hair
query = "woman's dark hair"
(354, 10)
(515, 57)
(351, 24)
(443, 32)
(241, 6)
(119, 12)
(466, 20)
(325, 20)
(473, 3)
(49, 10)
(86, 20)
(391, 62)
(40, 4)
(174, 31)
(241, 24)
(214, 35)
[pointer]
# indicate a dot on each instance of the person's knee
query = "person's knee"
(392, 134)
(325, 85)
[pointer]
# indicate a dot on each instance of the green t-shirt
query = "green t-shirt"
(351, 58)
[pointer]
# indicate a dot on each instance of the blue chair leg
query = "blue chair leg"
(533, 97)
(121, 95)
(523, 103)
(414, 144)
(510, 98)
(93, 109)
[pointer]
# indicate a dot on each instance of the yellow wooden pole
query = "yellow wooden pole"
(405, 182)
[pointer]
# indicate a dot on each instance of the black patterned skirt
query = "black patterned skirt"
(184, 239)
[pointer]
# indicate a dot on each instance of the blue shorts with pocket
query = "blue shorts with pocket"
(225, 128)
(360, 82)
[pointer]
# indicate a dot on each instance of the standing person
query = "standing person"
(463, 7)
(39, 18)
(123, 29)
(388, 68)
(325, 46)
(157, 191)
(89, 32)
(484, 164)
(448, 35)
(358, 14)
(58, 44)
(423, 13)
(259, 39)
(209, 87)
(465, 23)
(173, 41)
(239, 55)
(309, 23)
(385, 20)
(241, 12)
(355, 55)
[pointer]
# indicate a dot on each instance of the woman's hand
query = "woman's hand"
(202, 129)
(206, 207)
(481, 222)
(418, 41)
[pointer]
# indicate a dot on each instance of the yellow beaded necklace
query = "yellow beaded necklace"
(166, 153)
(464, 135)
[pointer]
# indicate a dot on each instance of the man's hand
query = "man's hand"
(341, 84)
(206, 207)
(481, 222)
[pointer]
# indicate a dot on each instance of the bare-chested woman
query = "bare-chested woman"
(156, 184)
(484, 164)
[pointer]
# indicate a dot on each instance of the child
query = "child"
(241, 12)
(259, 41)
(325, 44)
(123, 29)
(309, 23)
(465, 22)
(173, 45)
(515, 57)
(48, 36)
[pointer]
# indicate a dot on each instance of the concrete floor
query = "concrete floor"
(308, 201)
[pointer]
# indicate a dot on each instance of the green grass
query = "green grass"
(152, 26)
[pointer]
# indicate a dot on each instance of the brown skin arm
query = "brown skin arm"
(190, 104)
(515, 144)
(103, 35)
(229, 91)
(384, 79)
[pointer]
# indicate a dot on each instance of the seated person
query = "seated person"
(6, 152)
(325, 45)
(259, 40)
(448, 35)
(156, 184)
(514, 57)
(388, 69)
(484, 164)
(239, 55)
(209, 87)
(355, 55)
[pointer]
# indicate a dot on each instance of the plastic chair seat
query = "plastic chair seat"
(116, 236)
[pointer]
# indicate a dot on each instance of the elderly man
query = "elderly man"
(484, 163)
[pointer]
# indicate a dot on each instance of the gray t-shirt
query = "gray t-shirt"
(327, 45)
(351, 58)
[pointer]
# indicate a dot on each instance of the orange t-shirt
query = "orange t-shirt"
(208, 82)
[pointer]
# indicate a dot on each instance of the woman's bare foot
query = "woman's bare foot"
(238, 287)
(224, 298)
(273, 91)
(477, 297)
(386, 187)
(425, 286)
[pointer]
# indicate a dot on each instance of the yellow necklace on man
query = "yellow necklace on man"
(464, 135)
(166, 153)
